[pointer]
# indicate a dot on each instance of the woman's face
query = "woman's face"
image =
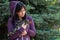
(21, 13)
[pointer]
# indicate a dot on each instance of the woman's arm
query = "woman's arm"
(31, 30)
(10, 28)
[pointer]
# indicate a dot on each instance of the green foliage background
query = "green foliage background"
(46, 15)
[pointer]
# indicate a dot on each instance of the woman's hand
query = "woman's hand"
(24, 33)
(24, 25)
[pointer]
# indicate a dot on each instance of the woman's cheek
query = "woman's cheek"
(20, 14)
(23, 14)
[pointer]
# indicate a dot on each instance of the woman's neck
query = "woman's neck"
(20, 18)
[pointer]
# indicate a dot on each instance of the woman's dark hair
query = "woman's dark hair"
(19, 6)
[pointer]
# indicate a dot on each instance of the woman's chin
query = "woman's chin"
(22, 16)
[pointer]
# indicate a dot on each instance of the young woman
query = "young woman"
(20, 25)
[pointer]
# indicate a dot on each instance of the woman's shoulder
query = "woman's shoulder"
(10, 19)
(29, 17)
